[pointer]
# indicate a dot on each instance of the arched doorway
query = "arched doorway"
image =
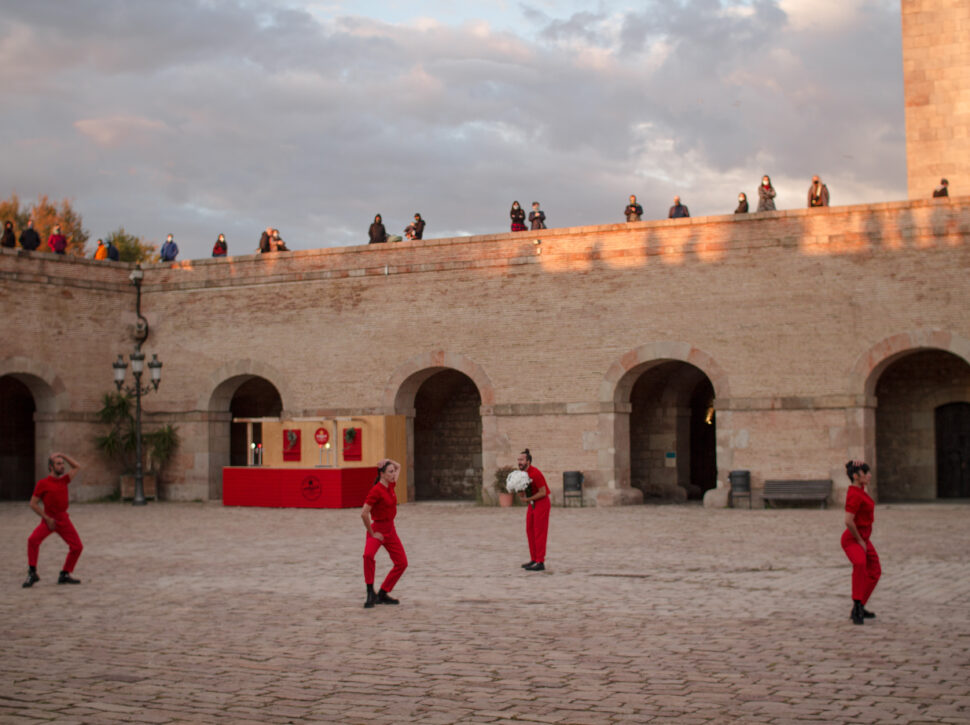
(254, 399)
(672, 432)
(447, 438)
(17, 440)
(922, 425)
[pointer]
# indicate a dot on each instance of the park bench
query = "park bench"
(811, 490)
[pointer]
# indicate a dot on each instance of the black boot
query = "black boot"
(867, 614)
(537, 566)
(32, 578)
(384, 598)
(528, 564)
(857, 615)
(66, 578)
(371, 598)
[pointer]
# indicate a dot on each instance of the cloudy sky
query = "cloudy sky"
(207, 116)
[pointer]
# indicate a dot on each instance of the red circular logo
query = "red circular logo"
(321, 436)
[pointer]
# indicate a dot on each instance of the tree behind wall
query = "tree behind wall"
(132, 248)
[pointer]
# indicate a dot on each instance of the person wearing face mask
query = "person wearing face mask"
(517, 214)
(766, 195)
(818, 193)
(169, 250)
(859, 515)
(742, 204)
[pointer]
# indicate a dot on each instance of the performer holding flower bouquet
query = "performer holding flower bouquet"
(533, 490)
(380, 508)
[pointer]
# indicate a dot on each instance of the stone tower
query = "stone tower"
(936, 80)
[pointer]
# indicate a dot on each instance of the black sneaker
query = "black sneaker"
(537, 566)
(32, 579)
(66, 578)
(528, 564)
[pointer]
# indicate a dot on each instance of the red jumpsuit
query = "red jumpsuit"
(537, 517)
(865, 562)
(383, 502)
(53, 492)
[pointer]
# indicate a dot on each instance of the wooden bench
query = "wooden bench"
(812, 490)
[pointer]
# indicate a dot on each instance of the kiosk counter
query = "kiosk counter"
(326, 488)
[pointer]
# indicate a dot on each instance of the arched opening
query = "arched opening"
(17, 440)
(254, 399)
(672, 432)
(447, 438)
(919, 433)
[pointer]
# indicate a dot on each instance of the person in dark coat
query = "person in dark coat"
(113, 254)
(29, 238)
(633, 211)
(742, 204)
(377, 232)
(766, 195)
(678, 210)
(818, 193)
(537, 217)
(8, 239)
(517, 214)
(266, 241)
(942, 190)
(220, 248)
(415, 230)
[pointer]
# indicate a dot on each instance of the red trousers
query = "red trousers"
(65, 529)
(537, 528)
(394, 548)
(865, 566)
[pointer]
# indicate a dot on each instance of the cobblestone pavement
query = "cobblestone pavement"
(673, 614)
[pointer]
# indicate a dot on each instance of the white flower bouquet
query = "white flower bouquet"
(517, 481)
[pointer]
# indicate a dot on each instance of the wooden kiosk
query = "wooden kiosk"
(315, 463)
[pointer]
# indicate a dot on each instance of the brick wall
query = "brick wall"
(788, 314)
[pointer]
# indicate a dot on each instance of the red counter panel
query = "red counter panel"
(322, 488)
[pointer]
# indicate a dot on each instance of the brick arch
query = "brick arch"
(404, 382)
(617, 382)
(869, 366)
(225, 380)
(50, 393)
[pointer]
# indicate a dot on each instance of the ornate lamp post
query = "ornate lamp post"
(137, 368)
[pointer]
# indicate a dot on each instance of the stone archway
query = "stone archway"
(698, 379)
(242, 389)
(453, 378)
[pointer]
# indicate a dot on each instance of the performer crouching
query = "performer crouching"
(380, 508)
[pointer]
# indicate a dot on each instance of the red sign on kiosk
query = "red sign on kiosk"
(321, 436)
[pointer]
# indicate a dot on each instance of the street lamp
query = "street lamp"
(137, 358)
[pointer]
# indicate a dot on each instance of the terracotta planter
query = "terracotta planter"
(148, 483)
(505, 499)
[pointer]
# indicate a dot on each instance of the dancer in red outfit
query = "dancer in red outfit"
(859, 515)
(537, 517)
(53, 492)
(380, 508)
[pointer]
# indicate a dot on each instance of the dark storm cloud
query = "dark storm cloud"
(203, 117)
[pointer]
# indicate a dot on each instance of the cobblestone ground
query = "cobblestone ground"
(672, 614)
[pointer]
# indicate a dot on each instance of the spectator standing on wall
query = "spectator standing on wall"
(818, 193)
(8, 239)
(377, 232)
(169, 250)
(537, 217)
(220, 248)
(742, 204)
(415, 230)
(517, 215)
(29, 239)
(633, 211)
(101, 252)
(678, 210)
(766, 195)
(265, 244)
(113, 254)
(943, 190)
(57, 242)
(278, 242)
